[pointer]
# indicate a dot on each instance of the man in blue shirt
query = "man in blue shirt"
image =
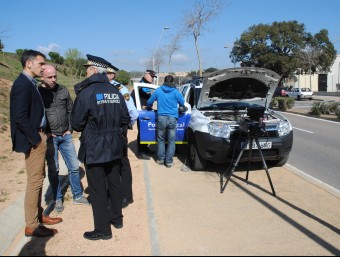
(168, 98)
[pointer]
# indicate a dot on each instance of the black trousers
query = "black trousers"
(101, 177)
(125, 170)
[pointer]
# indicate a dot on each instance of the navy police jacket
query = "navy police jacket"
(99, 112)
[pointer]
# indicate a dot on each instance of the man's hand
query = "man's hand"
(67, 133)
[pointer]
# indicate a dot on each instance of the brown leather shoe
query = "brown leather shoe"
(40, 232)
(47, 220)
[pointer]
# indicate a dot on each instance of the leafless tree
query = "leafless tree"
(196, 19)
(173, 47)
(3, 31)
(309, 59)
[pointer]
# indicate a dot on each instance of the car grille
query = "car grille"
(271, 131)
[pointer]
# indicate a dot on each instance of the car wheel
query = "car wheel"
(196, 162)
(299, 98)
(280, 162)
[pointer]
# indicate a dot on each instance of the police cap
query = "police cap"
(152, 73)
(96, 61)
(111, 69)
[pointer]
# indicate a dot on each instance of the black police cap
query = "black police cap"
(152, 73)
(96, 61)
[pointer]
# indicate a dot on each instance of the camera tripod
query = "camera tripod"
(250, 139)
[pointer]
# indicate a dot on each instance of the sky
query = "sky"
(127, 32)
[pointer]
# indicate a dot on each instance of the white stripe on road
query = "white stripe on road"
(310, 132)
(307, 117)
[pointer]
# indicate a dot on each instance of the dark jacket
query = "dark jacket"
(99, 112)
(26, 113)
(58, 108)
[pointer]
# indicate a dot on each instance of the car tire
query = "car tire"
(196, 162)
(280, 162)
(298, 98)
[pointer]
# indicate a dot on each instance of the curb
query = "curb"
(313, 180)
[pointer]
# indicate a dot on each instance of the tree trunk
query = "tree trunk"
(198, 56)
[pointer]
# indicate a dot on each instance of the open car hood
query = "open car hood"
(239, 87)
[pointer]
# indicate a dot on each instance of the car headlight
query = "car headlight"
(284, 128)
(219, 130)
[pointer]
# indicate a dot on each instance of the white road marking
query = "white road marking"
(306, 117)
(307, 131)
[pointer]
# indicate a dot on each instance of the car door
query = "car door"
(148, 119)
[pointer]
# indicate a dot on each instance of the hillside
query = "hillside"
(10, 68)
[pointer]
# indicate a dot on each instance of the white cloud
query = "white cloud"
(50, 48)
(180, 59)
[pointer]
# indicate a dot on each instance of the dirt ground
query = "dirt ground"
(183, 213)
(12, 172)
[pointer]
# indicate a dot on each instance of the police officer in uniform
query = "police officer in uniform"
(125, 171)
(100, 112)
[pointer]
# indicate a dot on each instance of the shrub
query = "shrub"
(337, 112)
(316, 109)
(274, 102)
(324, 108)
(333, 107)
(290, 102)
(282, 103)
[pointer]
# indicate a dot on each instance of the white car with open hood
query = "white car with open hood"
(228, 96)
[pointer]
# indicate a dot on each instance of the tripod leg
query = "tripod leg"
(249, 156)
(265, 166)
(235, 164)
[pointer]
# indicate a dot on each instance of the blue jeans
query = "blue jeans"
(166, 130)
(68, 152)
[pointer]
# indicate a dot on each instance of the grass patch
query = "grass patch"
(3, 158)
(4, 196)
(20, 172)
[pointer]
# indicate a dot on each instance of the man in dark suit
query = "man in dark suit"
(28, 124)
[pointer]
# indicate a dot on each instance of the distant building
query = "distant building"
(329, 82)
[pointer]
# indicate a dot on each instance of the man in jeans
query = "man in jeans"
(58, 107)
(168, 98)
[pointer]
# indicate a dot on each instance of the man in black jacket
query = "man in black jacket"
(58, 107)
(99, 112)
(28, 136)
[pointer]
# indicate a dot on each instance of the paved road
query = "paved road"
(316, 148)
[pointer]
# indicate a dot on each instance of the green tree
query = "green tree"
(1, 46)
(74, 61)
(281, 47)
(123, 77)
(209, 70)
(19, 52)
(56, 58)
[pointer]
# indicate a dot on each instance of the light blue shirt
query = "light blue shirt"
(43, 121)
(129, 102)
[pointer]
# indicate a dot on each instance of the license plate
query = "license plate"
(263, 145)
